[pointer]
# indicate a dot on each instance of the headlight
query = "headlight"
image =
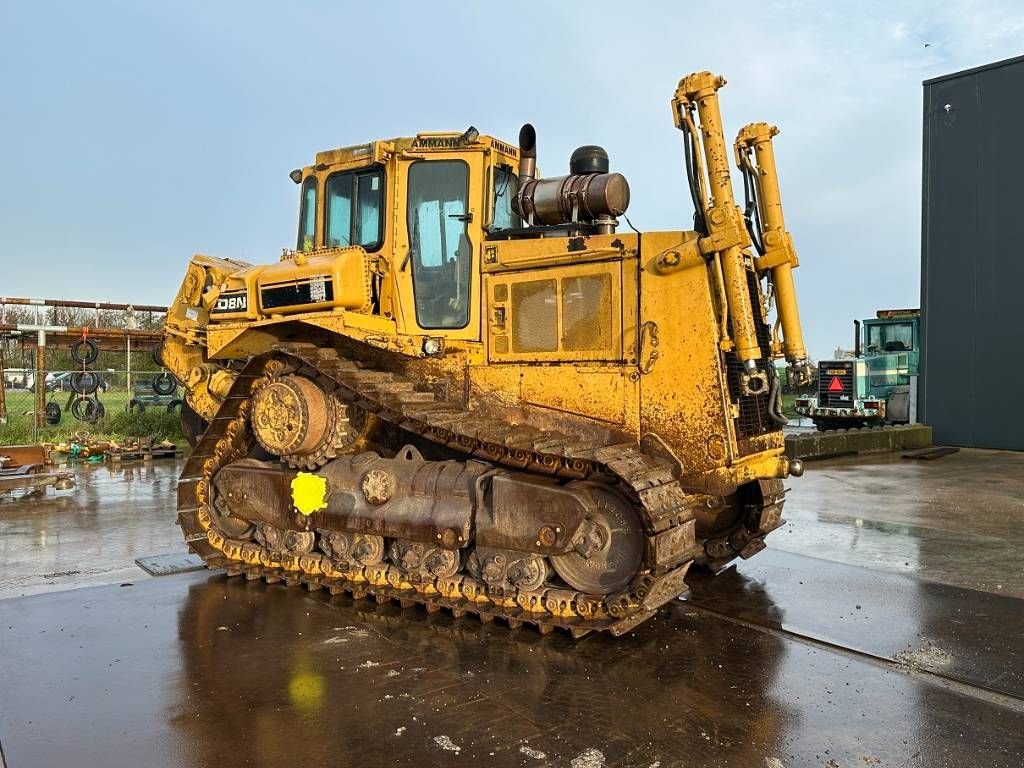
(431, 347)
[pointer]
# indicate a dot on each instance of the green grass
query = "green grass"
(116, 423)
(787, 406)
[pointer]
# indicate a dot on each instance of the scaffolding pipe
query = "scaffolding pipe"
(110, 335)
(41, 330)
(40, 380)
(68, 303)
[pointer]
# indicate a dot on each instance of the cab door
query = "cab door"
(442, 239)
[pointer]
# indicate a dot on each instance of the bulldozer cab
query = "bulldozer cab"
(420, 207)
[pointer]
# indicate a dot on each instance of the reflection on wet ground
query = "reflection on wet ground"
(961, 634)
(958, 520)
(202, 671)
(92, 534)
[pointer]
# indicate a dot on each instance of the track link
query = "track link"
(648, 482)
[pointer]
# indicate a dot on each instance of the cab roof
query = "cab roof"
(429, 143)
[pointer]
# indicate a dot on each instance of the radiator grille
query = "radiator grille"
(586, 312)
(830, 393)
(534, 316)
(753, 419)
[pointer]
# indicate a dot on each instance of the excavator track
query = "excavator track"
(647, 482)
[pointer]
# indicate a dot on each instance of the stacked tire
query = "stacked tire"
(84, 383)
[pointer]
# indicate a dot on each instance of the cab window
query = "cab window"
(506, 185)
(894, 337)
(439, 247)
(307, 215)
(353, 209)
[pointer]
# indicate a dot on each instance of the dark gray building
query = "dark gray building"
(971, 388)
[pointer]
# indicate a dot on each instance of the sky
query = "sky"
(135, 134)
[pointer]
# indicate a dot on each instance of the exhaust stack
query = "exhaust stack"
(527, 154)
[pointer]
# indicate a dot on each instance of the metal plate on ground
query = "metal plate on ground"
(175, 562)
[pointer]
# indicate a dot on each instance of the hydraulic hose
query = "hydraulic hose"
(689, 155)
(751, 213)
(775, 402)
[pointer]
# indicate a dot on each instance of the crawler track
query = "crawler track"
(665, 510)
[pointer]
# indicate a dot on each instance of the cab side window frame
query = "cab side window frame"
(355, 182)
(307, 209)
(503, 184)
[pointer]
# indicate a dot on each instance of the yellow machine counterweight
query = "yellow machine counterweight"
(466, 389)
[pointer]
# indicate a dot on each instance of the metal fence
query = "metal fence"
(77, 397)
(69, 393)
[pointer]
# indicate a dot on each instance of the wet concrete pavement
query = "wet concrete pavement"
(769, 660)
(958, 520)
(199, 670)
(92, 534)
(976, 638)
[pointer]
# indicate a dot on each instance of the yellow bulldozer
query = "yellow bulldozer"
(467, 388)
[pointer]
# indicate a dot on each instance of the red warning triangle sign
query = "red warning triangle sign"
(835, 385)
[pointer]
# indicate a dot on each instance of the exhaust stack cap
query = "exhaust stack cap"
(589, 158)
(527, 141)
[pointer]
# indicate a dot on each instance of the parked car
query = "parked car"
(61, 382)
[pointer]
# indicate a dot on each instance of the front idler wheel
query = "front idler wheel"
(609, 548)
